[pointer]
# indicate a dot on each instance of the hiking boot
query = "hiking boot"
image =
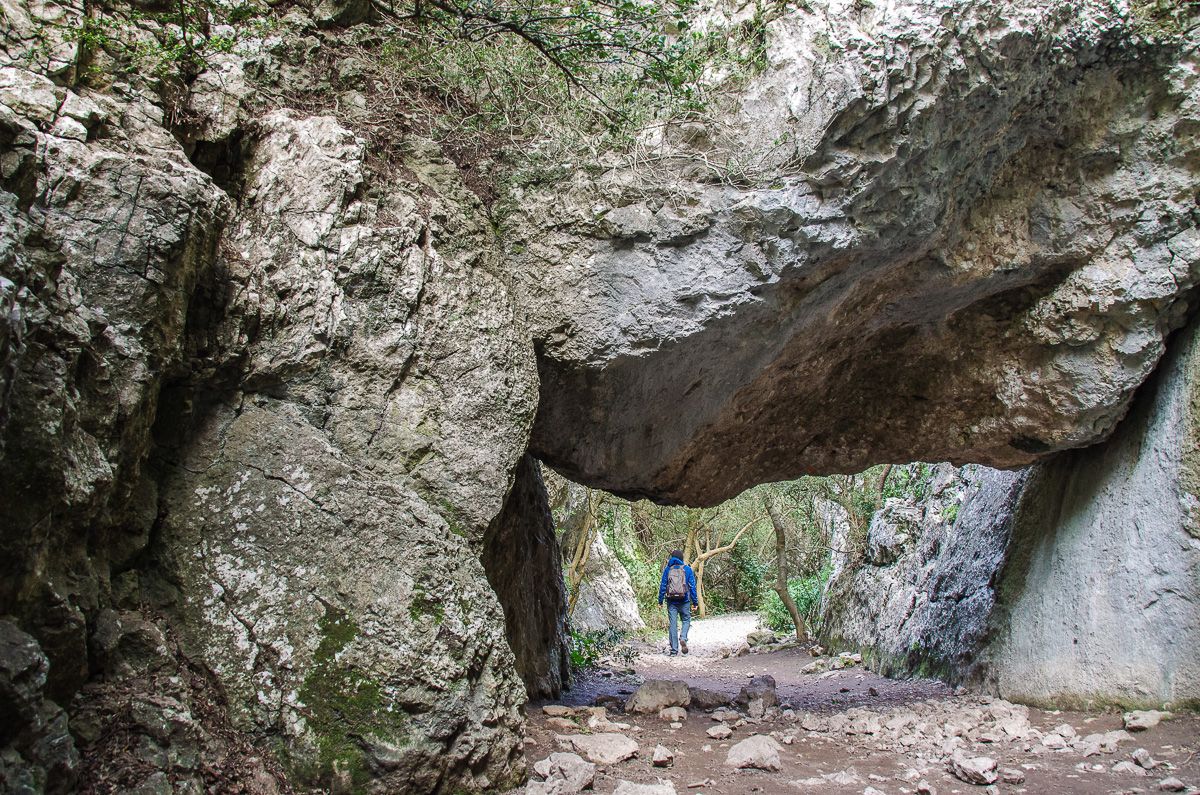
(683, 646)
(672, 652)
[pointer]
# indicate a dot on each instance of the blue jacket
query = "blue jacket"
(691, 581)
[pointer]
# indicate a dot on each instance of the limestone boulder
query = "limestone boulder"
(943, 251)
(759, 752)
(325, 516)
(979, 770)
(707, 699)
(103, 244)
(606, 598)
(1142, 719)
(568, 773)
(603, 748)
(655, 695)
(758, 696)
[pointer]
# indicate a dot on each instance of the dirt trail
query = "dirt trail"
(835, 737)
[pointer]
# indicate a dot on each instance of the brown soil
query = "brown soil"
(699, 758)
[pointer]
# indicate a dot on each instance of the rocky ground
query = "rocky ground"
(773, 719)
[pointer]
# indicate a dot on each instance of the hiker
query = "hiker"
(678, 588)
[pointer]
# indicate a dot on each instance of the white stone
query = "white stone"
(630, 788)
(606, 748)
(1140, 720)
(721, 732)
(979, 770)
(760, 752)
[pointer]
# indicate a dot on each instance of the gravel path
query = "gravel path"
(708, 637)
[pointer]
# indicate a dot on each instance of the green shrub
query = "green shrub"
(806, 591)
(588, 646)
(750, 579)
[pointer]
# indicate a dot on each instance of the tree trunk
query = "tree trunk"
(583, 552)
(781, 572)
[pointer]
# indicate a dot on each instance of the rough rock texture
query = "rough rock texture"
(606, 598)
(101, 244)
(976, 233)
(657, 694)
(921, 600)
(760, 752)
(605, 748)
(274, 396)
(1097, 601)
(263, 391)
(1072, 582)
(38, 754)
(323, 520)
(152, 720)
(522, 558)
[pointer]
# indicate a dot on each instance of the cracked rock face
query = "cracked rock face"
(522, 558)
(1071, 582)
(976, 230)
(323, 522)
(103, 236)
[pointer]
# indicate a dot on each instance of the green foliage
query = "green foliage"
(542, 83)
(950, 513)
(806, 591)
(180, 41)
(1165, 18)
(643, 574)
(342, 704)
(587, 647)
(751, 573)
(909, 482)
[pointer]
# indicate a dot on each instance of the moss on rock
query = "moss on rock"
(344, 706)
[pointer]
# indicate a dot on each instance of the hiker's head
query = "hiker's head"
(675, 553)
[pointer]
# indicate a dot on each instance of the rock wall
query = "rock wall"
(921, 599)
(1097, 601)
(1073, 582)
(269, 420)
(606, 598)
(975, 231)
(265, 384)
(523, 562)
(321, 522)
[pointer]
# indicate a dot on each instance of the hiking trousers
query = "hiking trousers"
(677, 611)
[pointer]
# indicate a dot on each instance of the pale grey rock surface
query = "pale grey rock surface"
(759, 752)
(978, 770)
(602, 748)
(959, 210)
(101, 246)
(1097, 601)
(606, 599)
(631, 788)
(569, 773)
(1034, 589)
(326, 517)
(292, 443)
(280, 393)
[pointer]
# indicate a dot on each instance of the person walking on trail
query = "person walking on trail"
(678, 589)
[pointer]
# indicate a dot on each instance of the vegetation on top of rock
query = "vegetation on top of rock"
(1159, 18)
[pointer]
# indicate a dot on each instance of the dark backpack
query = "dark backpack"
(677, 588)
